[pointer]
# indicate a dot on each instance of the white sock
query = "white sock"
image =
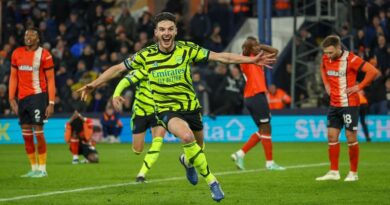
(269, 163)
(75, 157)
(42, 167)
(240, 153)
(34, 167)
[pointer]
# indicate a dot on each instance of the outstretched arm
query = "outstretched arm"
(109, 74)
(231, 58)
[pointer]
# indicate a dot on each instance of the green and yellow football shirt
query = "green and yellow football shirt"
(143, 101)
(169, 74)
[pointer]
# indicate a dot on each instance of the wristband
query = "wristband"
(51, 102)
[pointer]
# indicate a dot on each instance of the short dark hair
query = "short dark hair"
(32, 28)
(331, 40)
(77, 125)
(164, 16)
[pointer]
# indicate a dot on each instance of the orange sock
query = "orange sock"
(42, 154)
(267, 146)
(353, 149)
(253, 140)
(29, 146)
(74, 146)
(334, 153)
(32, 158)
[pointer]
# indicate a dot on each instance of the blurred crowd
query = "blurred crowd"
(372, 42)
(87, 37)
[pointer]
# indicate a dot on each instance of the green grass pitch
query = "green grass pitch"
(112, 180)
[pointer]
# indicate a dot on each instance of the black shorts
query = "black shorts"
(340, 116)
(193, 118)
(32, 109)
(142, 123)
(86, 149)
(258, 108)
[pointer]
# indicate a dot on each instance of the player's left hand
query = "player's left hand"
(117, 103)
(49, 111)
(353, 89)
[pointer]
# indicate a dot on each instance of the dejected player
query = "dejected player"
(78, 134)
(32, 77)
(339, 69)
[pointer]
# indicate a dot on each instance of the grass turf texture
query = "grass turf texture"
(112, 180)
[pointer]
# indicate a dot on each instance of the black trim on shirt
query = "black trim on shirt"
(361, 66)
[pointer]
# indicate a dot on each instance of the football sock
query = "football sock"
(353, 149)
(152, 155)
(240, 153)
(74, 146)
(334, 153)
(187, 164)
(267, 146)
(253, 140)
(42, 167)
(42, 154)
(197, 158)
(30, 148)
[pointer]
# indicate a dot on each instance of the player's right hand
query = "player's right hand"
(117, 103)
(85, 91)
(14, 106)
(265, 59)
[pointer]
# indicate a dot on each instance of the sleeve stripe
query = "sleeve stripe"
(207, 56)
(196, 55)
(143, 72)
(130, 81)
(136, 62)
(127, 65)
(143, 58)
(190, 52)
(361, 66)
(49, 68)
(136, 77)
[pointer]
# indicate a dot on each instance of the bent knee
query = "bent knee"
(187, 137)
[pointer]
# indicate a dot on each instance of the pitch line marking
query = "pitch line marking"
(149, 182)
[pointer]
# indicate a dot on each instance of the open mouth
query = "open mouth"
(166, 39)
